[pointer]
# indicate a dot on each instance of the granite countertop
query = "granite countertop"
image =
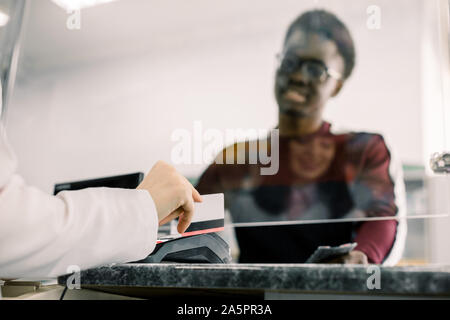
(312, 278)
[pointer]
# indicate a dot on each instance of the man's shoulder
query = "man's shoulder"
(359, 138)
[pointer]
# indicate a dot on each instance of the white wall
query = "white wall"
(116, 116)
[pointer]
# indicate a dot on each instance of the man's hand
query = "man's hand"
(172, 193)
(354, 257)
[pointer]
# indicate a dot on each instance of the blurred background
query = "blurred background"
(103, 97)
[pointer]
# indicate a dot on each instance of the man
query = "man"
(323, 174)
(42, 236)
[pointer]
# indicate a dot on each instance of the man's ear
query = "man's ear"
(339, 85)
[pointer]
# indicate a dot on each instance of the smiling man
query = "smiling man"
(323, 174)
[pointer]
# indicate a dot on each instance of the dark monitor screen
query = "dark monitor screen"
(127, 181)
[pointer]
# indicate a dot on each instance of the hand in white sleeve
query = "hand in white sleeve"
(42, 235)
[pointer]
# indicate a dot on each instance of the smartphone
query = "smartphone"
(325, 253)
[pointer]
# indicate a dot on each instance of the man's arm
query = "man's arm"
(375, 192)
(375, 239)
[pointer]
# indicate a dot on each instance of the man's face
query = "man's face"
(297, 95)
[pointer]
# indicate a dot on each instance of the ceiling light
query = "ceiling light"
(4, 18)
(71, 5)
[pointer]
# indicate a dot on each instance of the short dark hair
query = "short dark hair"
(328, 25)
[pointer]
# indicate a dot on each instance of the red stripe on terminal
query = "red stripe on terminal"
(193, 233)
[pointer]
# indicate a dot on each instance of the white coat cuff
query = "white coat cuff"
(152, 224)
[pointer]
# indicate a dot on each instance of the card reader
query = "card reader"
(202, 248)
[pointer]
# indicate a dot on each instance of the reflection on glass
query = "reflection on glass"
(322, 174)
(99, 105)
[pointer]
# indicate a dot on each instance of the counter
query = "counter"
(269, 281)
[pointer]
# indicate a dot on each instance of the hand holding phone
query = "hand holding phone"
(324, 254)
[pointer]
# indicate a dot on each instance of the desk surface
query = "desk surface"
(312, 278)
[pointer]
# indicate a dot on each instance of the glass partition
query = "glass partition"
(317, 120)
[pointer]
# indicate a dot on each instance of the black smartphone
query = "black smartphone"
(324, 253)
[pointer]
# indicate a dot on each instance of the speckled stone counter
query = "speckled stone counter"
(259, 279)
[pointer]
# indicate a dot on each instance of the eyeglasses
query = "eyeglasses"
(311, 69)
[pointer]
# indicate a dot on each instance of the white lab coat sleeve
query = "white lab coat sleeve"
(44, 236)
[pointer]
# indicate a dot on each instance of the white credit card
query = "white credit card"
(209, 216)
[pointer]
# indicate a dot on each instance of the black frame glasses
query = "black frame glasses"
(312, 69)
